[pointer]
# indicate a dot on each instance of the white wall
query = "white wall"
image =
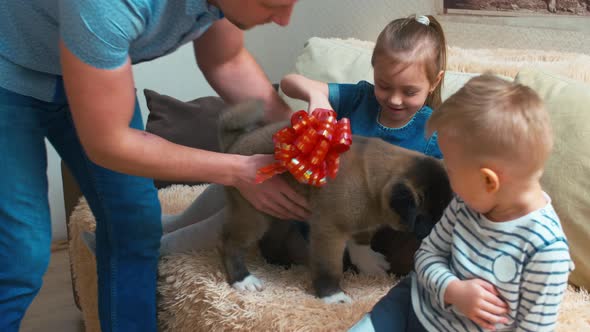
(56, 201)
(276, 48)
(175, 75)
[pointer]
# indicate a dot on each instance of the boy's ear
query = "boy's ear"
(491, 180)
(403, 202)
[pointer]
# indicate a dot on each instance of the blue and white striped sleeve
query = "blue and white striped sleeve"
(544, 283)
(432, 260)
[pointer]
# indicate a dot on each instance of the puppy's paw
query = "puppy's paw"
(250, 283)
(367, 260)
(339, 297)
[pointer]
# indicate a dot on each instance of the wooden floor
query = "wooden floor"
(54, 309)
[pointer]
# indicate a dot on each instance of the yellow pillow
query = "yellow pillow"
(567, 175)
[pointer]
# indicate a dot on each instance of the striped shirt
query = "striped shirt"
(526, 259)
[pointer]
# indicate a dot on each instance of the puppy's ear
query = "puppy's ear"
(403, 202)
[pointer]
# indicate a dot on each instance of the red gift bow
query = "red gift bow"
(310, 149)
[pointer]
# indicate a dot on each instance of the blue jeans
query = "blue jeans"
(126, 208)
(394, 312)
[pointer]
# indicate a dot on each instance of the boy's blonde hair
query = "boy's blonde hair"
(406, 40)
(494, 118)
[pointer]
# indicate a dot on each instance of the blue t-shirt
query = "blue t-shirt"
(358, 103)
(102, 33)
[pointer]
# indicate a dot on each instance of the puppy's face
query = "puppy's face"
(421, 198)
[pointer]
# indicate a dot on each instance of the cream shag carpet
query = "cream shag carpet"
(193, 294)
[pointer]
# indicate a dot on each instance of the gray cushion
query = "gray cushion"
(192, 123)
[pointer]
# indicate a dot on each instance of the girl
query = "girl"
(409, 60)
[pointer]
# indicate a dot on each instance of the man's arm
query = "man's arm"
(232, 71)
(102, 104)
(234, 74)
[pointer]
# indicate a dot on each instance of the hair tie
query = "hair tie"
(422, 19)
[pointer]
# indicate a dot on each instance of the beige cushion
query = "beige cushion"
(349, 61)
(567, 176)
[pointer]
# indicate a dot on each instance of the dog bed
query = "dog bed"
(193, 294)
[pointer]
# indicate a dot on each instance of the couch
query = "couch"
(193, 295)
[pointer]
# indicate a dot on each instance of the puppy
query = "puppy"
(377, 184)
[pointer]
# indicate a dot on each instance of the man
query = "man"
(88, 47)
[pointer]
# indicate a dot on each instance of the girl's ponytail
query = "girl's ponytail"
(434, 99)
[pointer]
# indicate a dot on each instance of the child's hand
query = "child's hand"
(479, 301)
(318, 100)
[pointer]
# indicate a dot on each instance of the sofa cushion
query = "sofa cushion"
(567, 175)
(192, 124)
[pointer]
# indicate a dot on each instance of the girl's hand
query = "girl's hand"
(274, 196)
(274, 115)
(479, 301)
(318, 100)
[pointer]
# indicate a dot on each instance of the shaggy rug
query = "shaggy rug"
(193, 294)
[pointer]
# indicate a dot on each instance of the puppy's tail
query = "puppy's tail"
(238, 120)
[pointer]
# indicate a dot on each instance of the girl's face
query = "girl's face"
(401, 90)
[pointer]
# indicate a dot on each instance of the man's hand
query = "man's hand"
(479, 301)
(274, 196)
